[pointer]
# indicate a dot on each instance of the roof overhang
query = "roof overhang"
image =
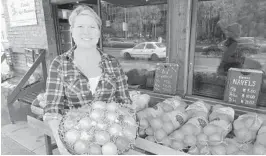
(134, 3)
(59, 2)
(121, 3)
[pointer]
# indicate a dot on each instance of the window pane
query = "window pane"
(230, 34)
(160, 45)
(139, 46)
(134, 26)
(150, 46)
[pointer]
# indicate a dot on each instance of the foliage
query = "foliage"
(142, 20)
(250, 14)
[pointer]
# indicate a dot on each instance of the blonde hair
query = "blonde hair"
(84, 10)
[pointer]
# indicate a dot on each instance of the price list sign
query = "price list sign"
(243, 86)
(166, 78)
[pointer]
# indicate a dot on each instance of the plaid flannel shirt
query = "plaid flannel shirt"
(67, 87)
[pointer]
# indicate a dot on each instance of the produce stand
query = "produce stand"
(144, 146)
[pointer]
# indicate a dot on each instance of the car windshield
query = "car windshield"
(160, 45)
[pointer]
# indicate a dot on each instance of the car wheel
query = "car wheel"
(127, 56)
(154, 57)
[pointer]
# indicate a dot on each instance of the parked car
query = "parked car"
(149, 50)
(118, 43)
(246, 45)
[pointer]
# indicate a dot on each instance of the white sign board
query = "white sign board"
(21, 12)
(124, 26)
(108, 23)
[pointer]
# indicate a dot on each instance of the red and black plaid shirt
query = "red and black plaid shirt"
(68, 87)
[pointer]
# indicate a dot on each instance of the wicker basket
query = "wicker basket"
(70, 148)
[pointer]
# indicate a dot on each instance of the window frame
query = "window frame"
(188, 62)
(240, 109)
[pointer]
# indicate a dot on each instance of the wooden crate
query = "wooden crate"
(152, 148)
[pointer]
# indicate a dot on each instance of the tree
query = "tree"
(215, 16)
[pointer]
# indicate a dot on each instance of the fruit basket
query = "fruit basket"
(98, 129)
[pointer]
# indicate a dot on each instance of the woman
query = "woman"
(83, 74)
(233, 57)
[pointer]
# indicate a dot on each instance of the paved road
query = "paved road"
(202, 62)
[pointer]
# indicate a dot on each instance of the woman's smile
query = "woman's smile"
(86, 39)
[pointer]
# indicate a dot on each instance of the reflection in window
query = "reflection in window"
(131, 35)
(140, 46)
(150, 46)
(160, 45)
(230, 34)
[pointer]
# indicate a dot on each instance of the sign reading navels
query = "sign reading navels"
(21, 12)
(243, 86)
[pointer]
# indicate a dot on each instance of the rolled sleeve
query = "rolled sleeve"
(122, 94)
(54, 89)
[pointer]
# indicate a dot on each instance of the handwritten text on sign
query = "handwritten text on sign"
(21, 12)
(166, 78)
(243, 86)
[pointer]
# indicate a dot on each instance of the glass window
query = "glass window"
(160, 45)
(150, 46)
(230, 34)
(140, 46)
(135, 26)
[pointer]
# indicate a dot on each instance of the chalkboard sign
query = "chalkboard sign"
(243, 86)
(166, 78)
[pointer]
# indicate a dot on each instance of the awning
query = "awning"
(133, 3)
(122, 3)
(73, 1)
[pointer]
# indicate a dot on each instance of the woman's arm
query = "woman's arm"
(122, 93)
(54, 89)
(55, 101)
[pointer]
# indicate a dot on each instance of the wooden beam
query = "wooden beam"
(73, 1)
(99, 9)
(156, 148)
(192, 46)
(178, 28)
(15, 93)
(36, 87)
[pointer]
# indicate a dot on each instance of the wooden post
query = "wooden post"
(48, 145)
(44, 68)
(177, 37)
(100, 15)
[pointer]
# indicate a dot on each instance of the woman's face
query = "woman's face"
(85, 31)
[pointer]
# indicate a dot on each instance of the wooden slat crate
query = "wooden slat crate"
(156, 149)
